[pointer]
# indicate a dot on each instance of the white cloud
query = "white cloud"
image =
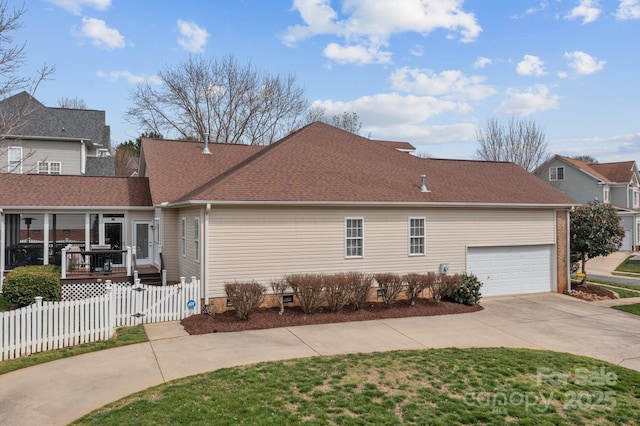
(357, 54)
(482, 62)
(370, 23)
(129, 77)
(417, 50)
(628, 9)
(451, 84)
(392, 108)
(536, 98)
(583, 63)
(603, 148)
(531, 65)
(587, 10)
(76, 6)
(192, 37)
(101, 35)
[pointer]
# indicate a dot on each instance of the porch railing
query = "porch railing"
(99, 262)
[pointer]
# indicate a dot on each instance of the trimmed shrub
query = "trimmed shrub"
(391, 286)
(442, 286)
(337, 291)
(245, 297)
(467, 292)
(279, 289)
(308, 289)
(360, 286)
(416, 283)
(25, 283)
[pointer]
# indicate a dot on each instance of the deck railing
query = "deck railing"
(99, 262)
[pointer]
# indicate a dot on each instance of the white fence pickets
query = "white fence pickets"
(45, 326)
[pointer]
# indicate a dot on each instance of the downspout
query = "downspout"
(205, 257)
(83, 157)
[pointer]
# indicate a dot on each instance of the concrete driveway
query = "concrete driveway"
(61, 391)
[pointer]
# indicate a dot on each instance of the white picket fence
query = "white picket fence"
(44, 326)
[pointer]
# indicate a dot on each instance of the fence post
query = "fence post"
(164, 277)
(36, 330)
(129, 261)
(63, 265)
(111, 310)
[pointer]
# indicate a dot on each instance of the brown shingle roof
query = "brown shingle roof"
(175, 168)
(72, 191)
(401, 146)
(620, 172)
(321, 163)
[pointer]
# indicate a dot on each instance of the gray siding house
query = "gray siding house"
(60, 141)
(616, 183)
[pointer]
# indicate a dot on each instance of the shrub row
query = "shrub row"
(335, 291)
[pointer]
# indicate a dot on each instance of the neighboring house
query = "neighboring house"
(617, 184)
(320, 200)
(35, 139)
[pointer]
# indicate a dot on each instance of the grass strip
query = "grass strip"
(632, 309)
(490, 386)
(124, 336)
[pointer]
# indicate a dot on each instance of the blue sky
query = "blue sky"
(424, 71)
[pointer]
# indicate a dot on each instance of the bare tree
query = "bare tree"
(72, 103)
(223, 99)
(349, 121)
(521, 142)
(12, 57)
(586, 158)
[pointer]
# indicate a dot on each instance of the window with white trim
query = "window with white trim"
(636, 199)
(15, 159)
(183, 236)
(416, 236)
(606, 195)
(49, 167)
(556, 173)
(196, 237)
(354, 237)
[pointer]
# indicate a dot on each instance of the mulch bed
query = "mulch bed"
(591, 292)
(293, 316)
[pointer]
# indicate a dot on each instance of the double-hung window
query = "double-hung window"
(183, 236)
(416, 236)
(354, 237)
(556, 173)
(196, 237)
(15, 159)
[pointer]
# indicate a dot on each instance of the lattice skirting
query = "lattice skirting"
(78, 291)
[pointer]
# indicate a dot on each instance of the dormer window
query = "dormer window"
(556, 173)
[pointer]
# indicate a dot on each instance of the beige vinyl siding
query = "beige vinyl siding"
(187, 265)
(67, 153)
(265, 244)
(170, 241)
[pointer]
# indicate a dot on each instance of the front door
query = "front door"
(114, 237)
(143, 239)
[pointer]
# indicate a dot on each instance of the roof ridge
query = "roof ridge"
(227, 173)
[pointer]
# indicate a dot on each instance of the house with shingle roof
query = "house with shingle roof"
(322, 200)
(39, 139)
(616, 183)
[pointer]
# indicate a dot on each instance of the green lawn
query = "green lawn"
(124, 336)
(623, 290)
(626, 266)
(633, 309)
(439, 386)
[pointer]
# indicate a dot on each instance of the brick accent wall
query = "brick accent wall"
(562, 242)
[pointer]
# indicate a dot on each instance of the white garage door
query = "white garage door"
(511, 270)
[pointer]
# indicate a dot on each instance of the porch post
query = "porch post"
(45, 252)
(2, 244)
(63, 263)
(129, 261)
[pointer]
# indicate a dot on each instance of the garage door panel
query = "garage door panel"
(511, 270)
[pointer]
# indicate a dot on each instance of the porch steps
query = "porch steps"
(150, 278)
